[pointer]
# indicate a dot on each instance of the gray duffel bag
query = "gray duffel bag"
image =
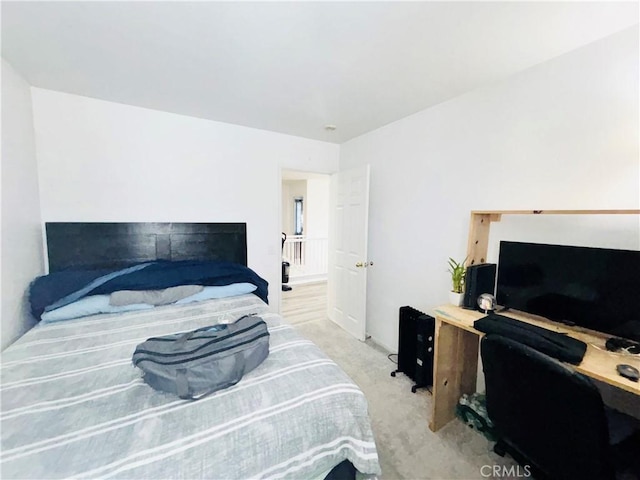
(196, 363)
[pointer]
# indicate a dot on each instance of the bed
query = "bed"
(73, 406)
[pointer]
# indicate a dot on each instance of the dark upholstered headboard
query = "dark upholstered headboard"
(103, 245)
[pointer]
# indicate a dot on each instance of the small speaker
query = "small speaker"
(479, 279)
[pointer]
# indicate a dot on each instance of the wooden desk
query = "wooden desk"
(456, 358)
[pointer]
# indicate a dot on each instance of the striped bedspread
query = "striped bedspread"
(73, 406)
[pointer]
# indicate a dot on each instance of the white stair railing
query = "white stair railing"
(307, 256)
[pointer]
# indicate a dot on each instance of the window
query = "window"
(298, 218)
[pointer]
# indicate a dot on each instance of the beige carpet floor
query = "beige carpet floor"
(406, 447)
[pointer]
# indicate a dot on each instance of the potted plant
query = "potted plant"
(457, 271)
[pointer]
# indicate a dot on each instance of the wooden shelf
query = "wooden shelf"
(480, 225)
(555, 212)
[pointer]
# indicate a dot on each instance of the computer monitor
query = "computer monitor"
(596, 288)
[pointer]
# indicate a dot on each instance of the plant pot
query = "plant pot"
(455, 298)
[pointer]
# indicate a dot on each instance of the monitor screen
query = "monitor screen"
(596, 288)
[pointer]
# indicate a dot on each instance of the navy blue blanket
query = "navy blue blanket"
(62, 288)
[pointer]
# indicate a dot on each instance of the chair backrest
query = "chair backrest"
(551, 415)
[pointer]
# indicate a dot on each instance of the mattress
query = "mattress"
(73, 405)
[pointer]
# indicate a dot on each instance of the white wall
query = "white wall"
(561, 135)
(315, 192)
(102, 161)
(21, 226)
(317, 207)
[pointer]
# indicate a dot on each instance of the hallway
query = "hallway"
(305, 302)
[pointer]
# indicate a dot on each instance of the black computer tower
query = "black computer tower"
(416, 343)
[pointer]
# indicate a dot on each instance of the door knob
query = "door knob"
(364, 264)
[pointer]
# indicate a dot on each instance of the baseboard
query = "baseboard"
(381, 345)
(307, 279)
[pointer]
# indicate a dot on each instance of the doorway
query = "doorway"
(305, 225)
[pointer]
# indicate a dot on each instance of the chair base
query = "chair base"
(500, 448)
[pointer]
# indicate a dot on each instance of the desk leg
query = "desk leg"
(455, 371)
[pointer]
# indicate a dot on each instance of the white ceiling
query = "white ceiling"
(293, 67)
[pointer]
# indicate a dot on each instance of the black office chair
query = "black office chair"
(545, 414)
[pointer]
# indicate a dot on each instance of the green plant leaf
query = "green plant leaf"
(457, 271)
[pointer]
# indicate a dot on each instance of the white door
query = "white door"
(347, 282)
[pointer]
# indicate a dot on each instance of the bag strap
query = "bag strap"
(182, 382)
(182, 339)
